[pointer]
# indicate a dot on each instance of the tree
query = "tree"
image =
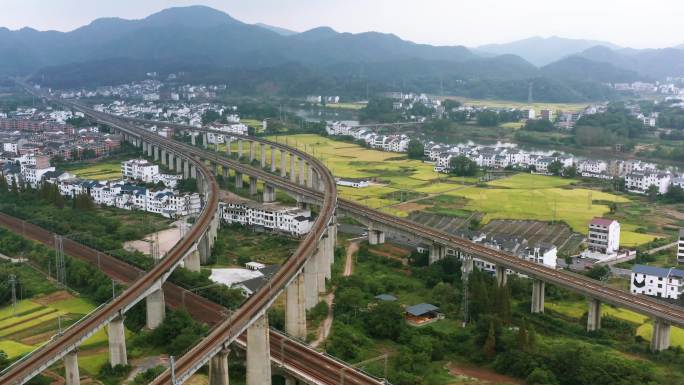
(84, 202)
(489, 347)
(416, 149)
(463, 166)
(210, 116)
(555, 168)
(539, 125)
(599, 273)
(4, 189)
(652, 193)
(386, 320)
(570, 171)
(540, 376)
(487, 118)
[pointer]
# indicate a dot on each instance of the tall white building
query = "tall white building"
(139, 169)
(667, 283)
(604, 235)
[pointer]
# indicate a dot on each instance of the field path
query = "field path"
(324, 329)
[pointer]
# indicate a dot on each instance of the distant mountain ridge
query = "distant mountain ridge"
(210, 45)
(541, 51)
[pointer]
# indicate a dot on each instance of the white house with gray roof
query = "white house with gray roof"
(666, 283)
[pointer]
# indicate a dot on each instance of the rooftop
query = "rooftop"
(421, 309)
(602, 221)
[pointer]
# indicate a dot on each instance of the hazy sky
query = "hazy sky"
(638, 24)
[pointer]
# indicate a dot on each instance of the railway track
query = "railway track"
(578, 283)
(24, 369)
(285, 351)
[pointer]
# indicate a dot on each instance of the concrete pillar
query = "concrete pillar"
(239, 148)
(295, 308)
(149, 149)
(226, 172)
(216, 143)
(253, 185)
(263, 155)
(594, 315)
(537, 296)
(228, 143)
(437, 253)
(302, 171)
(293, 168)
(501, 276)
(283, 167)
(218, 368)
(186, 169)
(192, 261)
(179, 164)
(273, 159)
(214, 168)
(239, 182)
(163, 157)
(155, 308)
(117, 342)
(289, 380)
(155, 152)
(660, 339)
(309, 176)
(205, 140)
(71, 374)
(193, 139)
(258, 353)
(311, 282)
(193, 171)
(269, 193)
(321, 260)
(251, 151)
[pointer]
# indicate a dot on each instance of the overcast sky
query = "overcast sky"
(633, 23)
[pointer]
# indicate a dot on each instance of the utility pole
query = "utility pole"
(13, 282)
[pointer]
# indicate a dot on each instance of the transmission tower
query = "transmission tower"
(60, 266)
(465, 275)
(13, 283)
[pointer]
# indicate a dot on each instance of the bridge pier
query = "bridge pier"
(295, 307)
(150, 147)
(321, 260)
(239, 182)
(179, 164)
(302, 172)
(216, 143)
(283, 164)
(660, 339)
(239, 148)
(71, 374)
(437, 252)
(214, 168)
(269, 193)
(163, 157)
(226, 172)
(117, 342)
(375, 237)
(228, 144)
(309, 176)
(258, 353)
(253, 185)
(155, 152)
(311, 282)
(192, 260)
(193, 171)
(273, 159)
(155, 308)
(218, 368)
(293, 168)
(263, 155)
(205, 140)
(186, 169)
(501, 276)
(537, 296)
(251, 151)
(594, 315)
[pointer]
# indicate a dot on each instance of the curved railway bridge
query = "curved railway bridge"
(379, 224)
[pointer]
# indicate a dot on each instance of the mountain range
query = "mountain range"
(210, 45)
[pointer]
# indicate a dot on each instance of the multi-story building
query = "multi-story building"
(271, 216)
(139, 169)
(666, 283)
(604, 236)
(640, 182)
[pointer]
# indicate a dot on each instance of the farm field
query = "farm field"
(348, 106)
(36, 321)
(519, 197)
(493, 103)
(575, 309)
(98, 171)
